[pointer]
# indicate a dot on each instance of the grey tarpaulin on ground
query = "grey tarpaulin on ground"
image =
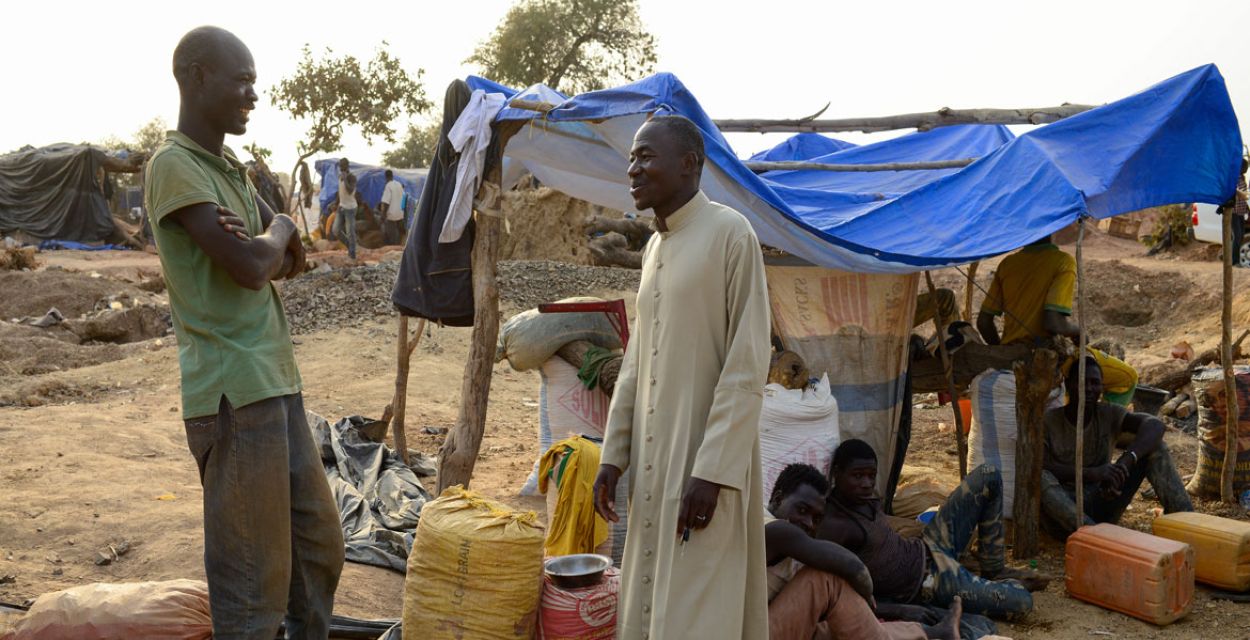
(378, 496)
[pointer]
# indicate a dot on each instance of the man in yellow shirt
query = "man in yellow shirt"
(1033, 289)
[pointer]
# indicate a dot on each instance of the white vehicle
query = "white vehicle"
(1209, 227)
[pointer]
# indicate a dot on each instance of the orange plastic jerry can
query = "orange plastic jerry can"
(1221, 546)
(1135, 573)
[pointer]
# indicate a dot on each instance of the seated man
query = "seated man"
(1109, 487)
(815, 587)
(943, 304)
(926, 570)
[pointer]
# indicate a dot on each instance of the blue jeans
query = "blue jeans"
(273, 545)
(977, 505)
(345, 230)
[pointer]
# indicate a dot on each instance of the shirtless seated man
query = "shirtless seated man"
(907, 572)
(817, 589)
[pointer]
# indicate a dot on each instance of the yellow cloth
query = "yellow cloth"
(574, 527)
(1028, 282)
(1119, 378)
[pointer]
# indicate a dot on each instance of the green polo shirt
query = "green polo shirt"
(232, 341)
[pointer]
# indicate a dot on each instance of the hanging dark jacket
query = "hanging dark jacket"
(435, 281)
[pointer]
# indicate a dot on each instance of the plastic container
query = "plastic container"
(1135, 573)
(1221, 546)
(965, 412)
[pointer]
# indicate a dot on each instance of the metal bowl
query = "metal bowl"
(577, 571)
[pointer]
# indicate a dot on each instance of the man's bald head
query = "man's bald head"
(683, 132)
(203, 46)
(216, 77)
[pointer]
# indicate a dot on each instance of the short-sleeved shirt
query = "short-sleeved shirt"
(393, 196)
(1100, 435)
(1027, 283)
(232, 341)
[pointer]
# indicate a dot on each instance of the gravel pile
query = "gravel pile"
(339, 298)
(525, 285)
(343, 297)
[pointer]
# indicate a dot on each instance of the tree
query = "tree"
(417, 148)
(572, 46)
(150, 136)
(259, 153)
(335, 92)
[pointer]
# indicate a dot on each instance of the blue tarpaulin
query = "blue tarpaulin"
(370, 181)
(802, 146)
(1177, 141)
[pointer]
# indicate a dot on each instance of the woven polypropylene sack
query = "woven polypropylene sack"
(170, 610)
(530, 338)
(1212, 441)
(797, 426)
(475, 570)
(580, 614)
(992, 437)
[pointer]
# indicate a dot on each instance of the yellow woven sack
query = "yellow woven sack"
(475, 570)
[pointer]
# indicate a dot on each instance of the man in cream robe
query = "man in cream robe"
(686, 407)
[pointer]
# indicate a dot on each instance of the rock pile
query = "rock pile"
(348, 297)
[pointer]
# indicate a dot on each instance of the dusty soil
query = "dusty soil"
(92, 447)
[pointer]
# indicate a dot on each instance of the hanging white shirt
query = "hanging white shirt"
(470, 136)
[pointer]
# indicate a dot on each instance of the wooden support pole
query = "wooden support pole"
(961, 440)
(968, 289)
(1231, 409)
(1035, 378)
(1080, 393)
(396, 411)
(943, 117)
(459, 452)
(796, 165)
(458, 455)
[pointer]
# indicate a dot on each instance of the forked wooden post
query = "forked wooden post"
(961, 440)
(1231, 410)
(1080, 360)
(459, 452)
(1034, 381)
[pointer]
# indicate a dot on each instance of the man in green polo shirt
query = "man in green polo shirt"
(273, 546)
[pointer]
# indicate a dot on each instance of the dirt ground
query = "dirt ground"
(92, 452)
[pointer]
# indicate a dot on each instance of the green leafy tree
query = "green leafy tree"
(572, 46)
(259, 153)
(335, 92)
(417, 148)
(150, 136)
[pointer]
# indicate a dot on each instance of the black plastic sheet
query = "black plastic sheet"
(378, 496)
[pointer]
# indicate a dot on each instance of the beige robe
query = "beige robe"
(688, 403)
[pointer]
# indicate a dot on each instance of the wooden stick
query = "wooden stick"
(968, 290)
(399, 403)
(923, 121)
(961, 440)
(792, 165)
(1080, 393)
(531, 105)
(1035, 376)
(1231, 409)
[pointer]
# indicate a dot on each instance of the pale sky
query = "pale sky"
(79, 71)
